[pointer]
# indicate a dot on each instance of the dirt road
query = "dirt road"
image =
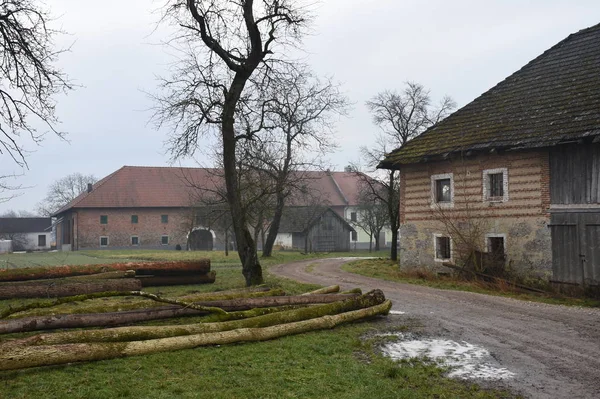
(553, 350)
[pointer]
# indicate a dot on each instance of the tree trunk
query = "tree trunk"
(394, 212)
(246, 246)
(274, 228)
(377, 241)
(63, 288)
(156, 313)
(26, 274)
(325, 290)
(121, 334)
(21, 357)
(227, 241)
(160, 280)
(394, 249)
(370, 243)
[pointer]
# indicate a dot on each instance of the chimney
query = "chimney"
(89, 190)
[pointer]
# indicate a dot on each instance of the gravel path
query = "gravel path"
(553, 350)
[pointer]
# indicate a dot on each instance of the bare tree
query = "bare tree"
(29, 78)
(298, 132)
(401, 117)
(229, 58)
(63, 191)
(372, 215)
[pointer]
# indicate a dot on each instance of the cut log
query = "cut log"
(20, 357)
(325, 290)
(62, 288)
(160, 280)
(122, 334)
(200, 266)
(114, 307)
(111, 319)
(104, 276)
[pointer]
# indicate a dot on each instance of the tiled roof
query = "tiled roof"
(24, 225)
(157, 187)
(553, 99)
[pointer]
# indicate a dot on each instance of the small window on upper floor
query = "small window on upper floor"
(134, 219)
(103, 219)
(164, 218)
(495, 185)
(353, 216)
(442, 190)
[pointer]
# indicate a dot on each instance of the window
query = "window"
(443, 249)
(496, 244)
(353, 217)
(104, 241)
(354, 236)
(495, 185)
(135, 240)
(164, 218)
(103, 219)
(134, 219)
(442, 190)
(164, 240)
(42, 240)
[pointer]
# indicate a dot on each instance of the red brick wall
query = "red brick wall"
(119, 228)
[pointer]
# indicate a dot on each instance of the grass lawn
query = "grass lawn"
(324, 364)
(388, 270)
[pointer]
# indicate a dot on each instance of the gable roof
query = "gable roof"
(173, 187)
(299, 219)
(24, 225)
(553, 99)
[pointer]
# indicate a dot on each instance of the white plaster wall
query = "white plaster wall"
(284, 240)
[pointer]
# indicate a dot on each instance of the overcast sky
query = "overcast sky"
(460, 48)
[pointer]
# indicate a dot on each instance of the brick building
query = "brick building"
(521, 163)
(157, 207)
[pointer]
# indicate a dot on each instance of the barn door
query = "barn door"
(592, 254)
(566, 263)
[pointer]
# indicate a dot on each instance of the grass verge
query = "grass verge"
(323, 364)
(388, 270)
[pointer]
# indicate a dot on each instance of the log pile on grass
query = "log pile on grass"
(228, 317)
(65, 281)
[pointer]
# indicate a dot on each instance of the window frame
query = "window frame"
(353, 236)
(45, 239)
(131, 241)
(107, 241)
(434, 180)
(164, 219)
(486, 185)
(162, 241)
(105, 218)
(353, 216)
(435, 247)
(135, 219)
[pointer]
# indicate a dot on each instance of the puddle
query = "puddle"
(466, 361)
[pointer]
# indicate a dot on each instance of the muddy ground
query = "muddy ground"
(553, 350)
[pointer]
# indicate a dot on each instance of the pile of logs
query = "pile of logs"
(253, 314)
(76, 280)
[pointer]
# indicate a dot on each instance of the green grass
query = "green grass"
(38, 259)
(332, 364)
(324, 364)
(388, 270)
